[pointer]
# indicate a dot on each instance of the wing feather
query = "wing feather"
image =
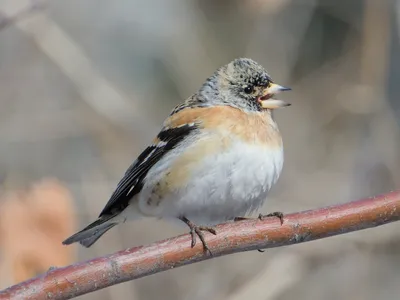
(132, 182)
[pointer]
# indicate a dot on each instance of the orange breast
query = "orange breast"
(252, 127)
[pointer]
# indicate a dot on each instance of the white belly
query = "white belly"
(224, 186)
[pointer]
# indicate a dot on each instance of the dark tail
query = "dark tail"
(91, 233)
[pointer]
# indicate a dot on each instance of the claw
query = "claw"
(261, 217)
(198, 230)
(277, 214)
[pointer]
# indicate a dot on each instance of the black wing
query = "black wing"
(132, 182)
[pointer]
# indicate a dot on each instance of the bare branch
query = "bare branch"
(98, 273)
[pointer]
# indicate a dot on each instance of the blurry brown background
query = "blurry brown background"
(85, 85)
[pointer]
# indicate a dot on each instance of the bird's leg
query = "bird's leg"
(277, 214)
(197, 230)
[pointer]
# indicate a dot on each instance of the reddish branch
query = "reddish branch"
(98, 273)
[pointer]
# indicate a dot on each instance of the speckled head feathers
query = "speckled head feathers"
(246, 71)
(240, 84)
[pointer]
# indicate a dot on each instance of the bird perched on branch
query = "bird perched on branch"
(215, 159)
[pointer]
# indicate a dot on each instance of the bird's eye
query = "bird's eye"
(249, 89)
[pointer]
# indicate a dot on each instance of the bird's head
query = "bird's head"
(245, 84)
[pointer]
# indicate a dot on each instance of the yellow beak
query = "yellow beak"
(266, 100)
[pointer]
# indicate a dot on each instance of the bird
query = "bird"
(215, 159)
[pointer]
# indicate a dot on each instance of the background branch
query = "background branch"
(35, 6)
(98, 273)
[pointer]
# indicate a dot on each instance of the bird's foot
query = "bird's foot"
(277, 214)
(237, 219)
(198, 230)
(261, 217)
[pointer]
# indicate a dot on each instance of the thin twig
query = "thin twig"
(133, 263)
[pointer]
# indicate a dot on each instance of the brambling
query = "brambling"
(215, 159)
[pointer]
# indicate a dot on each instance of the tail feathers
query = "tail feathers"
(91, 233)
(91, 240)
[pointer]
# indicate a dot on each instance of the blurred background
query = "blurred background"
(86, 84)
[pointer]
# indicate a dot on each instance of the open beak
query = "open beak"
(266, 100)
